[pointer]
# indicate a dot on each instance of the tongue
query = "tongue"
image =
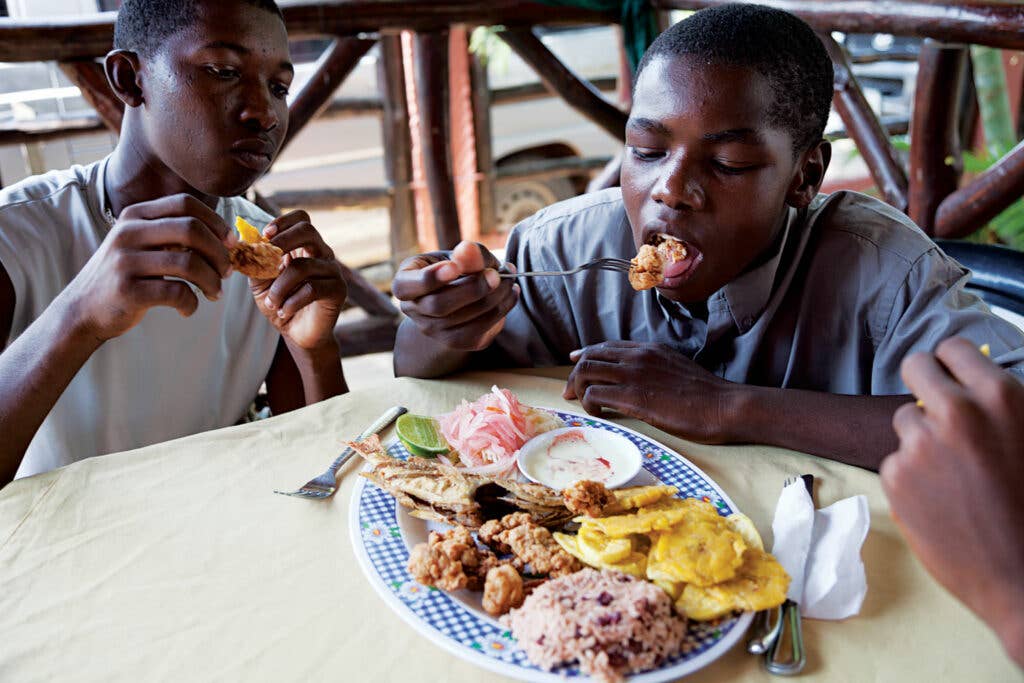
(676, 268)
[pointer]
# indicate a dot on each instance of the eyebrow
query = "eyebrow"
(243, 50)
(747, 136)
(649, 125)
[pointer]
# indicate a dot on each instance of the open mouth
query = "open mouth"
(679, 259)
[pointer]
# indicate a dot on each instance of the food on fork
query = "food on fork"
(254, 255)
(647, 269)
(439, 492)
(610, 623)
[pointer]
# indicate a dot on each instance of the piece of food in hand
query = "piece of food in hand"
(503, 590)
(451, 561)
(760, 583)
(488, 432)
(254, 256)
(585, 497)
(610, 623)
(421, 435)
(647, 268)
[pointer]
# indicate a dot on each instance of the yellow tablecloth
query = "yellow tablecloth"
(177, 563)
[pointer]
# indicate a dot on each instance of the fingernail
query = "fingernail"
(573, 355)
(268, 302)
(517, 289)
(229, 271)
(280, 313)
(511, 267)
(491, 275)
(270, 231)
(232, 239)
(448, 272)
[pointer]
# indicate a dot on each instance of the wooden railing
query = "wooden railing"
(929, 190)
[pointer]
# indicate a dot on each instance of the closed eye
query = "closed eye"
(224, 72)
(730, 169)
(645, 153)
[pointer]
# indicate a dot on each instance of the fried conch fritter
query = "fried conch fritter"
(254, 255)
(648, 266)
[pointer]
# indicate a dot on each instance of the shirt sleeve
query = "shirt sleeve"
(932, 305)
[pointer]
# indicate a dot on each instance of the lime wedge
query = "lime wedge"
(421, 435)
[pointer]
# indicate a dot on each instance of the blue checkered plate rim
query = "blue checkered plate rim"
(380, 537)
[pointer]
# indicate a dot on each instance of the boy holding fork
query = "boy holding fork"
(788, 319)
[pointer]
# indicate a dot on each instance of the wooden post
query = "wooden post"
(432, 93)
(397, 148)
(90, 78)
(935, 163)
(561, 81)
(484, 152)
(984, 198)
(332, 69)
(865, 129)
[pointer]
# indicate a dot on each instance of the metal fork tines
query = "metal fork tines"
(614, 264)
(324, 485)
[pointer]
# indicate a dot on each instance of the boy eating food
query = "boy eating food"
(123, 322)
(787, 318)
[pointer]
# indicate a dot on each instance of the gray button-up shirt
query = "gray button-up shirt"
(850, 288)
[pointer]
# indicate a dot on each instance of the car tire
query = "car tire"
(516, 201)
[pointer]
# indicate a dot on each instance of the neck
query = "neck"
(134, 174)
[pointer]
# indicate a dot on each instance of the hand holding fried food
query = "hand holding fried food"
(254, 255)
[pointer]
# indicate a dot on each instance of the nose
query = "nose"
(679, 186)
(258, 108)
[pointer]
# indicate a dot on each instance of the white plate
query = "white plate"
(383, 533)
(601, 442)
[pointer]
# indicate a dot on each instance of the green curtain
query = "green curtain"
(638, 24)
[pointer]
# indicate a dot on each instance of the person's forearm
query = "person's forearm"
(320, 371)
(856, 430)
(34, 371)
(417, 355)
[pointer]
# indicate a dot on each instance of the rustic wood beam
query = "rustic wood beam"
(332, 69)
(985, 22)
(560, 80)
(31, 40)
(545, 169)
(432, 95)
(397, 148)
(935, 164)
(57, 129)
(865, 130)
(978, 202)
(91, 80)
(482, 99)
(332, 198)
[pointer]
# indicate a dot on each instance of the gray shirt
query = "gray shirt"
(850, 288)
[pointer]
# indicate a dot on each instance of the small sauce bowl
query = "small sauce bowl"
(562, 456)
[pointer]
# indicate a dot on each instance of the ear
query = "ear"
(809, 175)
(122, 68)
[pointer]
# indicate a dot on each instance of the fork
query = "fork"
(789, 621)
(324, 486)
(614, 264)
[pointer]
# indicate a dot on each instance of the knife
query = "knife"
(786, 656)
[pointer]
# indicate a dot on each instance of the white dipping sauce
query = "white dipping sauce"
(565, 456)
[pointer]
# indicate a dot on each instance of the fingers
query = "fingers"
(179, 206)
(186, 265)
(304, 280)
(465, 291)
(475, 334)
(182, 232)
(414, 281)
(589, 371)
(990, 384)
(610, 351)
(926, 377)
(495, 299)
(293, 232)
(472, 257)
(159, 292)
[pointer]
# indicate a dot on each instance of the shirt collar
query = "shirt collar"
(747, 295)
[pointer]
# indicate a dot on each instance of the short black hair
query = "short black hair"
(144, 25)
(777, 44)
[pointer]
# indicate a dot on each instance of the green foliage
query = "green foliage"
(486, 44)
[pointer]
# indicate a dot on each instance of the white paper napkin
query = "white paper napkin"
(820, 550)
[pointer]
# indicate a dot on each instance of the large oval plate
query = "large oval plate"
(382, 537)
